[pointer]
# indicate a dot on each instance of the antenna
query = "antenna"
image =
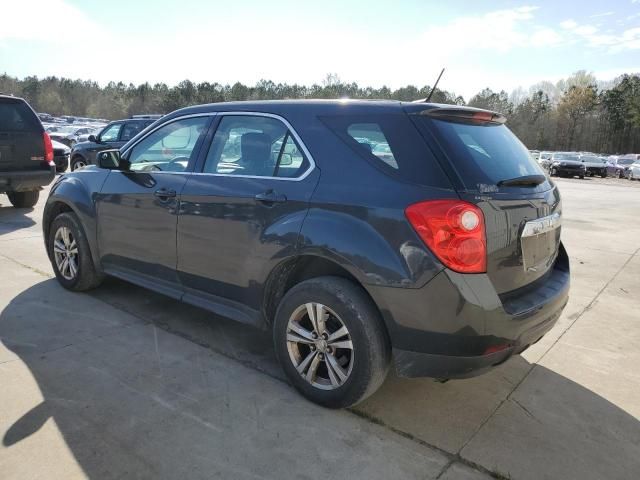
(426, 100)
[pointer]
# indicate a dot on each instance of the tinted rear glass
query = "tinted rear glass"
(391, 143)
(483, 154)
(16, 116)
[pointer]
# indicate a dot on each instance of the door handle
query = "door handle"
(165, 193)
(270, 197)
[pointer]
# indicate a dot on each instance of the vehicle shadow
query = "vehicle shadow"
(11, 218)
(133, 398)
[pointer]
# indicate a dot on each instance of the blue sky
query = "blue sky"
(497, 44)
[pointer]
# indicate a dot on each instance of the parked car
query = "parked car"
(60, 156)
(70, 135)
(595, 165)
(634, 171)
(26, 153)
(625, 162)
(445, 262)
(567, 164)
(114, 135)
(544, 160)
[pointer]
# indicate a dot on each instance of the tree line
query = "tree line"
(576, 113)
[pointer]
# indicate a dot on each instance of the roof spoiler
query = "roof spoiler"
(465, 115)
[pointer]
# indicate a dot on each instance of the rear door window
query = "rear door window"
(391, 142)
(16, 116)
(483, 154)
(130, 130)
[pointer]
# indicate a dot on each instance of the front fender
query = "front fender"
(376, 246)
(77, 191)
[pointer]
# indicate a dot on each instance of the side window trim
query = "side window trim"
(290, 131)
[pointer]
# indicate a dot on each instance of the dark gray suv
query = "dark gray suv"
(114, 135)
(361, 234)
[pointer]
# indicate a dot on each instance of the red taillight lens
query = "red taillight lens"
(454, 231)
(48, 148)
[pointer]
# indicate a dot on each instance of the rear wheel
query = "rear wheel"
(70, 255)
(582, 177)
(331, 342)
(24, 199)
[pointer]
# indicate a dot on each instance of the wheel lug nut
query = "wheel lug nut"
(314, 335)
(321, 356)
(313, 347)
(325, 336)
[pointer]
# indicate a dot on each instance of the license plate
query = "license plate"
(540, 240)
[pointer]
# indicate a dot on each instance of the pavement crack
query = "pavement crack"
(526, 410)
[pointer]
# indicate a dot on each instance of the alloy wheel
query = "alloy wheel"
(320, 346)
(65, 252)
(79, 164)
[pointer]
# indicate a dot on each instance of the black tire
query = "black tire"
(371, 347)
(553, 172)
(581, 177)
(78, 162)
(24, 199)
(620, 174)
(86, 277)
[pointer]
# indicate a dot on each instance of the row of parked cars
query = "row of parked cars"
(587, 164)
(77, 140)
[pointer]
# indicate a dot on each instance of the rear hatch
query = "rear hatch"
(492, 169)
(21, 141)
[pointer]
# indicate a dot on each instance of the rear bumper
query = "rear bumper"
(457, 325)
(26, 180)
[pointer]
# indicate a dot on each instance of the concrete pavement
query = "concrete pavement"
(124, 383)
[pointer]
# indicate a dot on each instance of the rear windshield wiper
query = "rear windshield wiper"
(524, 181)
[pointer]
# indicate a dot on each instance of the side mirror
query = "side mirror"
(286, 159)
(92, 138)
(109, 159)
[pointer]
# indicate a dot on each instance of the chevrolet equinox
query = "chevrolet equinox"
(361, 233)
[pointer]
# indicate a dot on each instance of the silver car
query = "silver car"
(633, 171)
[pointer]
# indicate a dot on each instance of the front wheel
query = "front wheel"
(70, 255)
(331, 342)
(24, 199)
(78, 162)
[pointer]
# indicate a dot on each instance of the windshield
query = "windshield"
(591, 159)
(625, 161)
(484, 154)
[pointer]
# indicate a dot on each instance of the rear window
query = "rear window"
(16, 116)
(483, 154)
(391, 143)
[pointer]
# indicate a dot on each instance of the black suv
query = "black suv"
(360, 233)
(114, 135)
(26, 153)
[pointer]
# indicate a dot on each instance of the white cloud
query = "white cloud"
(603, 14)
(501, 31)
(569, 24)
(592, 36)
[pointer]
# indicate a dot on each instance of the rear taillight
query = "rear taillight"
(48, 148)
(454, 231)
